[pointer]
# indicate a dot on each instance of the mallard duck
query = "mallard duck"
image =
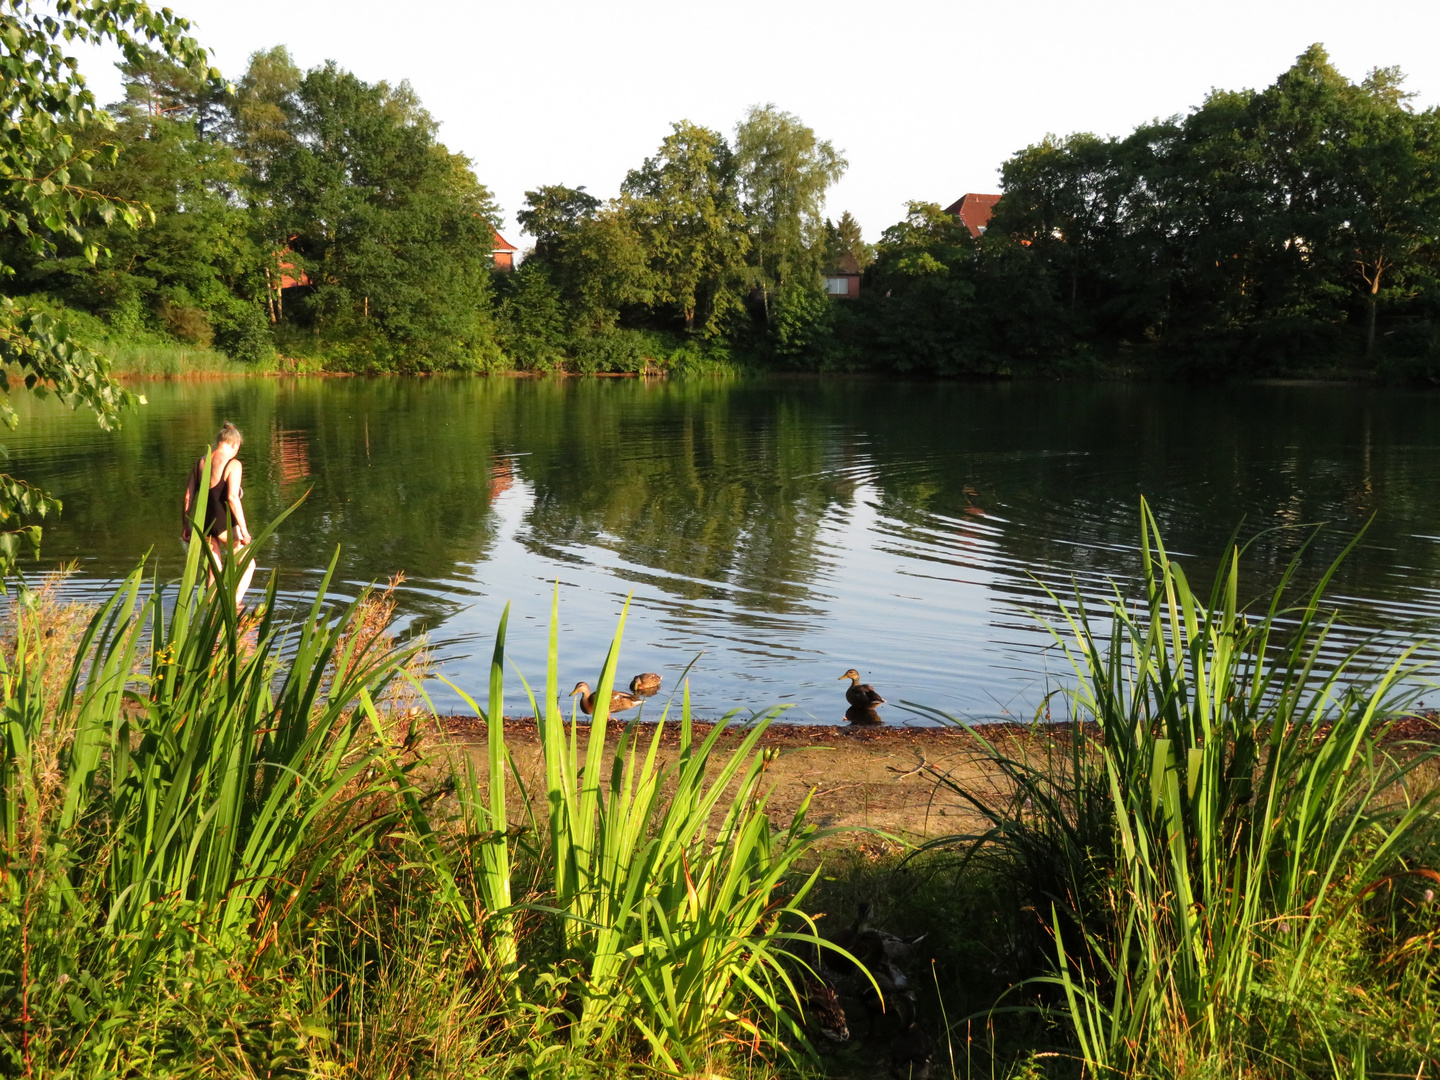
(880, 946)
(895, 997)
(646, 685)
(910, 1053)
(848, 938)
(619, 700)
(859, 693)
(823, 1010)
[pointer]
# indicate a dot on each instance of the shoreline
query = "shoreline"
(1125, 377)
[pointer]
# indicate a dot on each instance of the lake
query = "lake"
(783, 530)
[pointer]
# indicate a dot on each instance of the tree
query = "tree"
(784, 172)
(45, 197)
(195, 269)
(685, 207)
(394, 229)
(591, 254)
(553, 213)
(1389, 168)
(844, 239)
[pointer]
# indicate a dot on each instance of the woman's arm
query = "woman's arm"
(238, 510)
(191, 486)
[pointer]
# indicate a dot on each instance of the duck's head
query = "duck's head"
(580, 688)
(852, 675)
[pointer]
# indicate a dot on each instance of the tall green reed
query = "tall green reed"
(1222, 789)
(676, 901)
(203, 770)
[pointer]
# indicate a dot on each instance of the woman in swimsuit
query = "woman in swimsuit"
(223, 508)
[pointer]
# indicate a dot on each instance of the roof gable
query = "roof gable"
(973, 211)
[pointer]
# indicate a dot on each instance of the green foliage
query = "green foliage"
(669, 885)
(845, 241)
(784, 172)
(684, 204)
(1250, 235)
(46, 199)
(531, 319)
(264, 879)
(392, 228)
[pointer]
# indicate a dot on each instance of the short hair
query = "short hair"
(229, 433)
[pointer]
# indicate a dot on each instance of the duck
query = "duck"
(645, 685)
(823, 1009)
(881, 946)
(895, 998)
(911, 1052)
(619, 700)
(848, 938)
(859, 693)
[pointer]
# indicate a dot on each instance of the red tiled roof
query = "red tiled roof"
(973, 210)
(501, 244)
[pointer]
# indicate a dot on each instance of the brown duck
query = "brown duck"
(859, 693)
(823, 1010)
(619, 700)
(646, 685)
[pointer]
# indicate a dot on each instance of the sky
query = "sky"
(925, 99)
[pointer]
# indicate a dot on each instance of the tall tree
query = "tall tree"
(394, 230)
(684, 204)
(784, 172)
(591, 254)
(845, 239)
(193, 270)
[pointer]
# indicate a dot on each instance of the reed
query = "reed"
(676, 904)
(1221, 806)
(183, 787)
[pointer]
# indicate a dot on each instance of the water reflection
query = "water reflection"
(779, 527)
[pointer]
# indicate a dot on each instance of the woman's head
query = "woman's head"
(229, 436)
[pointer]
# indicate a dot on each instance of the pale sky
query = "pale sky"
(924, 98)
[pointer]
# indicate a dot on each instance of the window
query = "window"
(837, 286)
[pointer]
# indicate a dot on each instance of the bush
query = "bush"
(186, 322)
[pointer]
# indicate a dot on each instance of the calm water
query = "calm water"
(787, 529)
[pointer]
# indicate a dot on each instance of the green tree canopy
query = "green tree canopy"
(684, 204)
(394, 230)
(784, 172)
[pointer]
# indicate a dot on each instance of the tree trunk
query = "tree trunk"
(1370, 315)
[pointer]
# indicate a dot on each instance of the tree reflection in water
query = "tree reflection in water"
(777, 524)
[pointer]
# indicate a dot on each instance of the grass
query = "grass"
(165, 359)
(229, 850)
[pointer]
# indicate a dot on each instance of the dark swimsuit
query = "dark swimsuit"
(217, 509)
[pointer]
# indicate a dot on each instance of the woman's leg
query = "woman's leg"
(219, 545)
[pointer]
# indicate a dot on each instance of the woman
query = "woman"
(223, 509)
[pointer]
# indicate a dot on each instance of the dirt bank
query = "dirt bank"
(877, 777)
(862, 776)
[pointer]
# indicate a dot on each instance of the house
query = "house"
(842, 280)
(289, 276)
(503, 252)
(973, 211)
